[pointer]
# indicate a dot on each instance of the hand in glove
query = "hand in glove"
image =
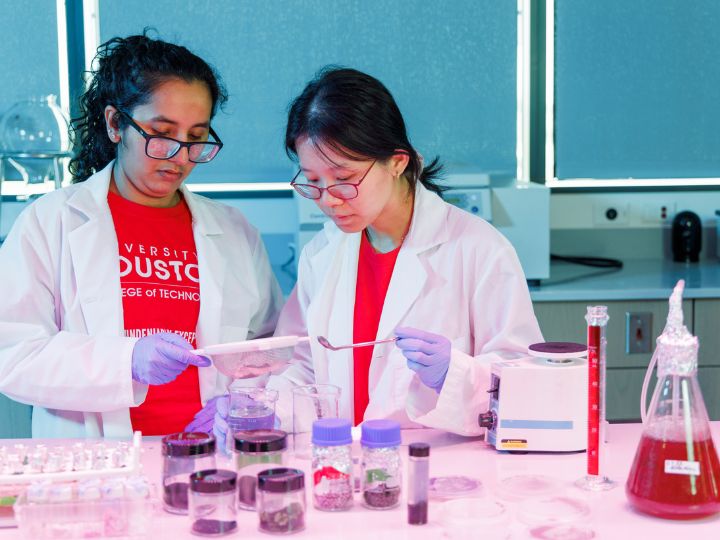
(205, 418)
(427, 354)
(220, 426)
(160, 358)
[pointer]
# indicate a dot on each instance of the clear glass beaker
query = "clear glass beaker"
(311, 403)
(249, 409)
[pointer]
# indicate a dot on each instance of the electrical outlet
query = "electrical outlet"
(611, 215)
(657, 213)
(638, 332)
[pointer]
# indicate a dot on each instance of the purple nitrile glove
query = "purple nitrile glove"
(220, 425)
(427, 354)
(205, 418)
(159, 358)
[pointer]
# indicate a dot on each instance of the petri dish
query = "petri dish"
(552, 511)
(561, 532)
(527, 486)
(466, 518)
(453, 487)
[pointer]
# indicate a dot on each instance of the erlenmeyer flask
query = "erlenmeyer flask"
(676, 472)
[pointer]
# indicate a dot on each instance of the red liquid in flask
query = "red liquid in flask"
(653, 491)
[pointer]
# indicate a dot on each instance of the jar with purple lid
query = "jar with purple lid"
(183, 454)
(332, 464)
(212, 502)
(281, 500)
(381, 464)
(255, 451)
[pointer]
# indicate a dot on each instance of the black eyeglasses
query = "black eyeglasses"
(161, 147)
(344, 191)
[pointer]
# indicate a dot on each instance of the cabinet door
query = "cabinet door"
(15, 419)
(565, 321)
(707, 328)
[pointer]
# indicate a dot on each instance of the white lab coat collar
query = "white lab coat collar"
(331, 313)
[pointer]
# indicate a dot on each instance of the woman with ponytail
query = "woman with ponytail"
(108, 284)
(393, 261)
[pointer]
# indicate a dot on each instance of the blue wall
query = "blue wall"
(28, 50)
(450, 65)
(637, 88)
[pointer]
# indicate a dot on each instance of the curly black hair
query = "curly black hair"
(128, 71)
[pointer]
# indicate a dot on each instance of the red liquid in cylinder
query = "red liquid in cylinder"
(653, 491)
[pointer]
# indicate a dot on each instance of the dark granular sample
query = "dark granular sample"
(208, 527)
(382, 496)
(175, 495)
(418, 513)
(286, 520)
(246, 487)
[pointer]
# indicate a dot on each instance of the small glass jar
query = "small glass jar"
(255, 451)
(332, 464)
(381, 464)
(183, 454)
(212, 502)
(281, 501)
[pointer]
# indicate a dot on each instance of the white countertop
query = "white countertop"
(611, 516)
(637, 280)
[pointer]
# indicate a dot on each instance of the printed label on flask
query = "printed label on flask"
(676, 466)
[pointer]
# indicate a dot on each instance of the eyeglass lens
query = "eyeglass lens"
(161, 148)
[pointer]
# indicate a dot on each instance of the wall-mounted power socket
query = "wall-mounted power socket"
(608, 214)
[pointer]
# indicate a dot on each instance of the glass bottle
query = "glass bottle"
(183, 454)
(381, 464)
(418, 481)
(281, 501)
(332, 464)
(255, 451)
(212, 502)
(676, 472)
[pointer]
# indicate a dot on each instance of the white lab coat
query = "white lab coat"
(62, 342)
(455, 275)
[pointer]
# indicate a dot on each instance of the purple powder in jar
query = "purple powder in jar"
(286, 520)
(382, 496)
(175, 495)
(207, 527)
(338, 499)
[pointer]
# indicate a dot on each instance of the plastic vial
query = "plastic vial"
(381, 473)
(332, 464)
(281, 501)
(255, 451)
(418, 477)
(212, 502)
(183, 454)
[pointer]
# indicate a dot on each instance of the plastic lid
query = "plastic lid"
(559, 510)
(558, 349)
(260, 440)
(281, 480)
(419, 449)
(331, 432)
(213, 481)
(188, 444)
(525, 486)
(380, 433)
(453, 487)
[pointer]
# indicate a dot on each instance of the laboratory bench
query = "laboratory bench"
(610, 515)
(637, 299)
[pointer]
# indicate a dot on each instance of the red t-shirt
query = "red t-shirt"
(373, 278)
(160, 293)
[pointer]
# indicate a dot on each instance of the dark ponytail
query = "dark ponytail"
(355, 115)
(128, 72)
